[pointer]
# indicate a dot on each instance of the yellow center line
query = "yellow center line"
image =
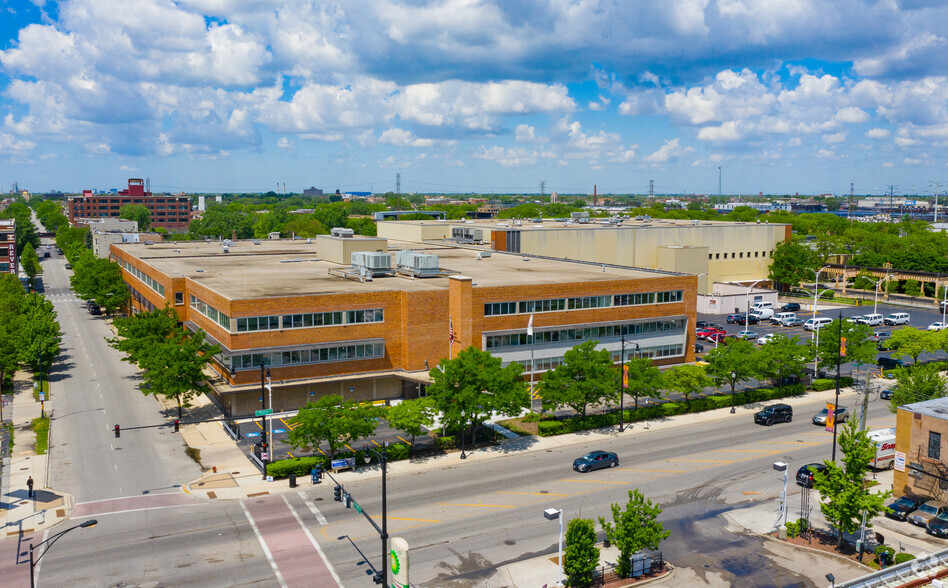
(532, 493)
(793, 442)
(407, 519)
(659, 471)
(290, 454)
(483, 505)
(259, 426)
(704, 460)
(748, 450)
(594, 481)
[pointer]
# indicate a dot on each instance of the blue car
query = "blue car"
(595, 460)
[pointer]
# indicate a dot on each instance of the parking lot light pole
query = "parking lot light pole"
(733, 407)
(944, 305)
(816, 287)
(747, 305)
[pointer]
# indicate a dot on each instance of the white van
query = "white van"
(780, 317)
(884, 441)
(897, 318)
(762, 314)
(817, 323)
(873, 320)
(762, 304)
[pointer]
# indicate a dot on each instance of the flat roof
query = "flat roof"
(276, 268)
(936, 407)
(594, 223)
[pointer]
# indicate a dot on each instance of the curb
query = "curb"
(819, 551)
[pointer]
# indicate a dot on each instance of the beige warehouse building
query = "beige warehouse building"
(716, 251)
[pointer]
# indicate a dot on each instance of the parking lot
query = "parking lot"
(920, 319)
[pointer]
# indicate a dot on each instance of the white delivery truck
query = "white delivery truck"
(884, 441)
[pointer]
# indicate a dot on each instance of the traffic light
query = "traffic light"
(377, 578)
(176, 425)
(118, 431)
(336, 493)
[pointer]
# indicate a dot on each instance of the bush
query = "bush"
(532, 417)
(794, 528)
(903, 557)
(301, 466)
(830, 383)
(445, 443)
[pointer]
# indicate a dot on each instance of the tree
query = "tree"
(920, 383)
(29, 261)
(634, 529)
(40, 335)
(858, 347)
(686, 380)
(11, 303)
(138, 213)
(842, 490)
(912, 342)
(791, 264)
(174, 368)
(644, 378)
(733, 362)
(335, 421)
(469, 388)
(139, 333)
(99, 280)
(580, 556)
(780, 359)
(586, 376)
(412, 417)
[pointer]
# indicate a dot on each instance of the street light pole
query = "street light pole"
(463, 423)
(621, 381)
(383, 461)
(733, 407)
(50, 541)
(557, 513)
(264, 445)
(839, 350)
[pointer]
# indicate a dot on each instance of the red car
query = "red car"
(715, 337)
(706, 333)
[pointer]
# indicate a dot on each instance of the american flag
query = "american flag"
(451, 330)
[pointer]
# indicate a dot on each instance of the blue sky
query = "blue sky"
(784, 96)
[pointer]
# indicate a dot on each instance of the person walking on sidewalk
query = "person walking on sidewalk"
(29, 484)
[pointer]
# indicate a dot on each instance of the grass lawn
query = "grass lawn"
(40, 426)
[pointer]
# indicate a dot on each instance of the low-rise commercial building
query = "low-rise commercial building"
(920, 434)
(372, 330)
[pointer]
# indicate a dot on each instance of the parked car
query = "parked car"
(805, 474)
(887, 393)
(873, 320)
(94, 308)
(897, 318)
(817, 323)
(888, 363)
(938, 526)
(790, 307)
(903, 506)
(707, 325)
(778, 318)
(746, 335)
(733, 318)
(927, 512)
(842, 415)
(766, 338)
(59, 251)
(794, 322)
(939, 326)
(879, 336)
(854, 319)
(68, 266)
(699, 348)
(707, 332)
(775, 413)
(750, 320)
(595, 460)
(715, 337)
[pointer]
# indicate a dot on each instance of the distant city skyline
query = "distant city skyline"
(476, 96)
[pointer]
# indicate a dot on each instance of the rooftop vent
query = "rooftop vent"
(342, 232)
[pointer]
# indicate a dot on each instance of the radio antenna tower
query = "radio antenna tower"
(398, 183)
(542, 187)
(651, 188)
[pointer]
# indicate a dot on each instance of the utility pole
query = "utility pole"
(937, 186)
(839, 353)
(852, 189)
(398, 183)
(651, 188)
(891, 195)
(719, 180)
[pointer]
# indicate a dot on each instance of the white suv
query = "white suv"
(873, 320)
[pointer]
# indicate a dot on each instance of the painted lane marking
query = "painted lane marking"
(702, 460)
(482, 505)
(313, 541)
(531, 493)
(593, 481)
(312, 508)
(657, 471)
(403, 440)
(407, 519)
(263, 544)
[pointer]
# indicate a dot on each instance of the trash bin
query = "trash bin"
(292, 480)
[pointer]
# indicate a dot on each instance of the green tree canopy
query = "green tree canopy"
(782, 358)
(139, 333)
(174, 368)
(912, 342)
(586, 377)
(475, 385)
(40, 335)
(30, 263)
(580, 555)
(634, 529)
(920, 383)
(791, 264)
(733, 362)
(687, 380)
(335, 421)
(138, 213)
(858, 347)
(411, 416)
(644, 379)
(842, 490)
(99, 280)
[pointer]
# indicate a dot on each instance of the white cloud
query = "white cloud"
(877, 133)
(525, 134)
(835, 138)
(403, 138)
(670, 151)
(516, 157)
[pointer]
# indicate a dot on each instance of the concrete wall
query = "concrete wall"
(415, 231)
(733, 298)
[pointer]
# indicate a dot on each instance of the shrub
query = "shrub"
(301, 466)
(823, 384)
(532, 417)
(445, 443)
(903, 557)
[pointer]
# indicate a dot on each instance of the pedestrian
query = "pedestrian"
(29, 484)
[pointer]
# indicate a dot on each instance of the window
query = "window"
(934, 445)
(179, 297)
(717, 256)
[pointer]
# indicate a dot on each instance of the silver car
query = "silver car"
(842, 415)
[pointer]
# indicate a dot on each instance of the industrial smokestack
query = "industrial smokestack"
(595, 200)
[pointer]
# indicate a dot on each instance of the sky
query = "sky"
(484, 96)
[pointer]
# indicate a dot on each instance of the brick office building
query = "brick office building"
(921, 433)
(170, 212)
(324, 326)
(8, 261)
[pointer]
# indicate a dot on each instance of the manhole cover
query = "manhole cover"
(510, 542)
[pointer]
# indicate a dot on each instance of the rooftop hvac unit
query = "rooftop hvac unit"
(374, 261)
(342, 232)
(417, 264)
(467, 234)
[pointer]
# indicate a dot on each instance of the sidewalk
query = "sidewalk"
(18, 513)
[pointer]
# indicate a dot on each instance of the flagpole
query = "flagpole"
(533, 365)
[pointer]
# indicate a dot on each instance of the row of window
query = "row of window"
(210, 312)
(145, 278)
(555, 304)
(346, 352)
(739, 255)
(310, 319)
(585, 333)
(550, 363)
